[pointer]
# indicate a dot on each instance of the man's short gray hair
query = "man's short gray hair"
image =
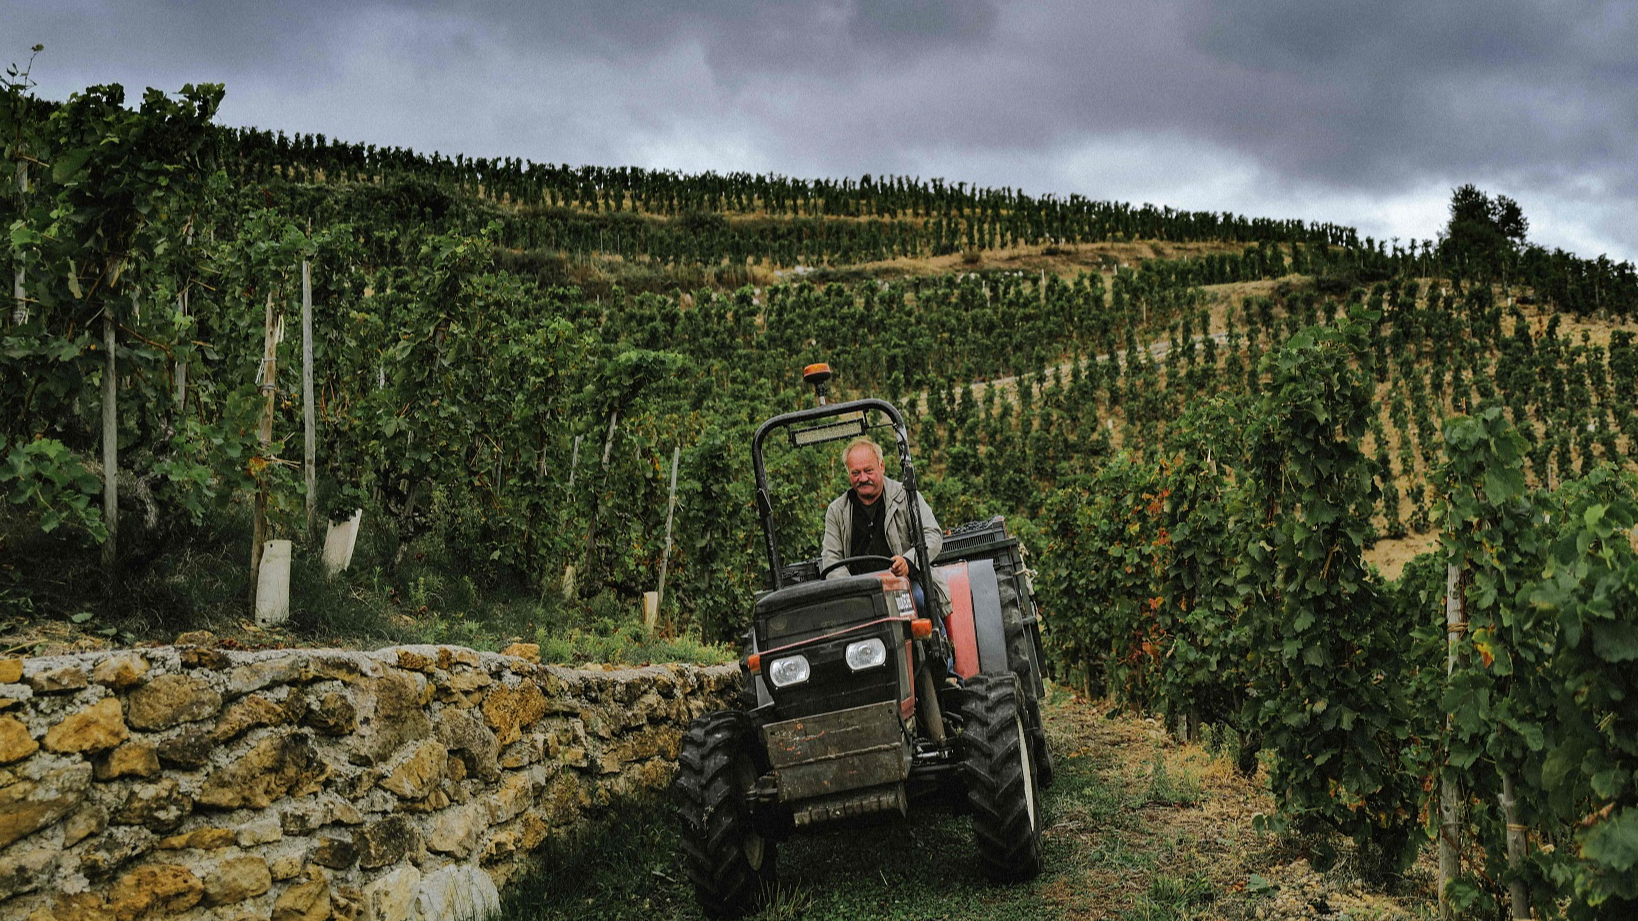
(865, 441)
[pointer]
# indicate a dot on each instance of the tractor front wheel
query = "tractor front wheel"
(731, 865)
(1001, 786)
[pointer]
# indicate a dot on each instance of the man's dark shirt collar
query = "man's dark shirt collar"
(869, 527)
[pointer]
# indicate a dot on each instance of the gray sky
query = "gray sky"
(1358, 113)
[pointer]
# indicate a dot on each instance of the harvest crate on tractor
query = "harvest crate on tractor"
(858, 706)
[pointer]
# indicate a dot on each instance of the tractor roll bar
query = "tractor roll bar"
(901, 438)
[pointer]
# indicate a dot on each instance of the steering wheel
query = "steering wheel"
(886, 562)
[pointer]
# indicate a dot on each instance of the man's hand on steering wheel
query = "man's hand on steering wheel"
(881, 561)
(898, 565)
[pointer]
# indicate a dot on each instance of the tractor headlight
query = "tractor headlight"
(788, 671)
(865, 654)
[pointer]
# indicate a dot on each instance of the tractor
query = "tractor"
(856, 706)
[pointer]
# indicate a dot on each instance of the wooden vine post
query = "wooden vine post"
(670, 509)
(589, 560)
(309, 427)
(110, 440)
(1450, 807)
(1517, 895)
(19, 313)
(179, 375)
(264, 438)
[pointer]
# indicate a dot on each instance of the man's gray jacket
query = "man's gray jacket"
(839, 533)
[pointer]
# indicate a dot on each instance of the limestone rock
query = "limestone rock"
(285, 865)
(432, 802)
(276, 766)
(456, 831)
(467, 680)
(159, 807)
(11, 671)
(259, 831)
(30, 803)
(247, 679)
(529, 652)
(347, 904)
(187, 749)
(133, 759)
(15, 742)
(641, 746)
(115, 848)
(415, 661)
(236, 879)
(513, 796)
(462, 731)
(457, 891)
(120, 671)
(55, 679)
(391, 897)
(386, 842)
(305, 901)
(419, 772)
(156, 890)
(503, 846)
(250, 713)
(344, 811)
(202, 657)
(525, 751)
(335, 852)
(564, 800)
(303, 818)
(399, 715)
(508, 710)
(350, 667)
(203, 638)
(533, 830)
(204, 839)
(168, 700)
(100, 726)
(81, 906)
(333, 713)
(86, 821)
(25, 869)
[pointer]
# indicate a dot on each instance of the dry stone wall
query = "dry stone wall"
(403, 784)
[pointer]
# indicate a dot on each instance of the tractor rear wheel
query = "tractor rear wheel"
(731, 865)
(1001, 786)
(1040, 752)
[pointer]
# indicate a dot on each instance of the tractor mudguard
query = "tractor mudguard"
(977, 625)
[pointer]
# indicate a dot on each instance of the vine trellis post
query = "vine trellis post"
(670, 509)
(310, 429)
(1449, 795)
(19, 313)
(264, 439)
(110, 440)
(180, 374)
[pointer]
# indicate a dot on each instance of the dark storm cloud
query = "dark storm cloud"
(748, 35)
(1263, 103)
(741, 35)
(1412, 86)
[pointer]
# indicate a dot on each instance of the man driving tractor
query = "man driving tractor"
(873, 519)
(856, 706)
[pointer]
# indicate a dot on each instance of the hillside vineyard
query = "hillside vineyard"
(1198, 424)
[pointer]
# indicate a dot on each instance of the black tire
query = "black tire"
(1024, 654)
(1002, 794)
(1040, 752)
(731, 865)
